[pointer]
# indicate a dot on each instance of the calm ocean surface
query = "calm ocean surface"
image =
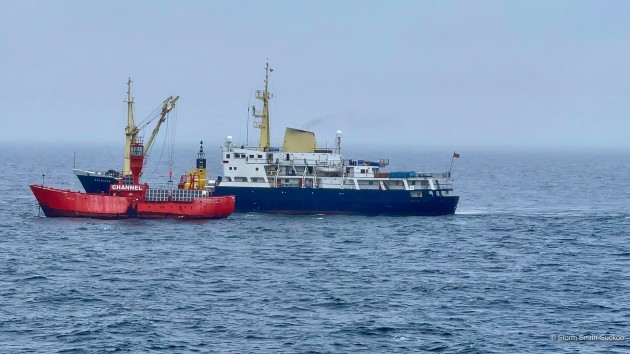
(536, 259)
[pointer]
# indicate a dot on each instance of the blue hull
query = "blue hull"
(337, 201)
(96, 183)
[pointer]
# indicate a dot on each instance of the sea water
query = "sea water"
(536, 259)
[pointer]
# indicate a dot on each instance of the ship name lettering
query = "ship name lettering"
(126, 187)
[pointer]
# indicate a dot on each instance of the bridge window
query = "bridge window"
(227, 156)
(251, 156)
(260, 156)
(136, 151)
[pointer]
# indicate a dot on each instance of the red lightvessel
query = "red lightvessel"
(137, 200)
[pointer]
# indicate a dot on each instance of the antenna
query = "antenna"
(249, 101)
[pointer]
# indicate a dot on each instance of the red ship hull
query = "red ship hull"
(56, 202)
(65, 203)
(202, 208)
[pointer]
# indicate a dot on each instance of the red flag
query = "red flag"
(455, 155)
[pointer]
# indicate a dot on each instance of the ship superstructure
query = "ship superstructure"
(299, 177)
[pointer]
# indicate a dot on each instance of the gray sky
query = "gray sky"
(446, 73)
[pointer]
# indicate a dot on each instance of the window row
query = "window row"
(242, 156)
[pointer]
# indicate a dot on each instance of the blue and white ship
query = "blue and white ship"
(300, 178)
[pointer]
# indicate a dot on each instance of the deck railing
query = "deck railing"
(175, 195)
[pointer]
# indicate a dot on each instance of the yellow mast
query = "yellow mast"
(263, 125)
(131, 131)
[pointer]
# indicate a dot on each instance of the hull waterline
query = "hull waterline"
(335, 201)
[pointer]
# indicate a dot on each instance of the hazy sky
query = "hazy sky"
(449, 73)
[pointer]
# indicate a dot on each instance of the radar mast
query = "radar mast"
(263, 124)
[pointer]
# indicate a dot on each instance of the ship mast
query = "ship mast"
(131, 131)
(263, 124)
